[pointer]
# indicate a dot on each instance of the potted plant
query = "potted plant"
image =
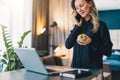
(10, 59)
(42, 53)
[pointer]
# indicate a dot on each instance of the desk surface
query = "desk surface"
(22, 74)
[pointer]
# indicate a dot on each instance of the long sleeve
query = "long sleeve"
(70, 41)
(89, 55)
(101, 43)
(106, 47)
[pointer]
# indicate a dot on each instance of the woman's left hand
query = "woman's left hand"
(85, 42)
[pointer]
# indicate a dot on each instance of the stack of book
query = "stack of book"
(75, 73)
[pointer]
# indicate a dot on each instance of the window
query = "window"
(17, 16)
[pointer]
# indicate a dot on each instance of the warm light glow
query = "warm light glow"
(59, 51)
(43, 30)
(56, 49)
(39, 29)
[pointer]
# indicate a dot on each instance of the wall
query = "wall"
(107, 4)
(112, 20)
(115, 37)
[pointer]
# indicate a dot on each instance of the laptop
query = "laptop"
(32, 62)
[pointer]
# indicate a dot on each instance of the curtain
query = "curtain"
(60, 12)
(17, 16)
(40, 23)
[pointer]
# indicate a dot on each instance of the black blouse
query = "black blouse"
(89, 56)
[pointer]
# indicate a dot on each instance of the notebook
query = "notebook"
(75, 73)
(32, 62)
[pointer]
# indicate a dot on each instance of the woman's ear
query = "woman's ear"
(90, 3)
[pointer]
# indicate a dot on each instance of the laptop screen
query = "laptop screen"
(30, 60)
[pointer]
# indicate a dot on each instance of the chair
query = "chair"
(52, 60)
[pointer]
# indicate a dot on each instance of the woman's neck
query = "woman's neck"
(87, 17)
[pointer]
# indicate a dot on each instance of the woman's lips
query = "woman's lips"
(82, 13)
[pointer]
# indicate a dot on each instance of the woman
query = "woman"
(88, 53)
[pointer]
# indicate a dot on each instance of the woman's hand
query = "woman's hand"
(84, 42)
(78, 23)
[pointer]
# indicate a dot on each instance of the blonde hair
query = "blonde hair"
(94, 17)
(93, 13)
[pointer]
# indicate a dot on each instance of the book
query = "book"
(75, 73)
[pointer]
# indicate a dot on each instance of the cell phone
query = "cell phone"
(78, 17)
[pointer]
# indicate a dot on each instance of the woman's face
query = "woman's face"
(82, 7)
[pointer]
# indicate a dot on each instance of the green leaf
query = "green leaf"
(4, 61)
(23, 37)
(10, 58)
(42, 52)
(20, 43)
(13, 64)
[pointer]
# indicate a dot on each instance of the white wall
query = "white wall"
(107, 4)
(115, 37)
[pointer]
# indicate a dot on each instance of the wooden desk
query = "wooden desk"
(22, 74)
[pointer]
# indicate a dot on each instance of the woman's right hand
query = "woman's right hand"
(84, 42)
(78, 23)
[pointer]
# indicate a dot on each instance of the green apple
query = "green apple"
(81, 37)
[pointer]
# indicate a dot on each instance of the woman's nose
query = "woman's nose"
(79, 9)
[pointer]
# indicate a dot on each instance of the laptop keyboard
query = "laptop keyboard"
(49, 70)
(55, 68)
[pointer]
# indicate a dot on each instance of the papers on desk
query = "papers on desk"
(70, 72)
(75, 73)
(64, 68)
(79, 69)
